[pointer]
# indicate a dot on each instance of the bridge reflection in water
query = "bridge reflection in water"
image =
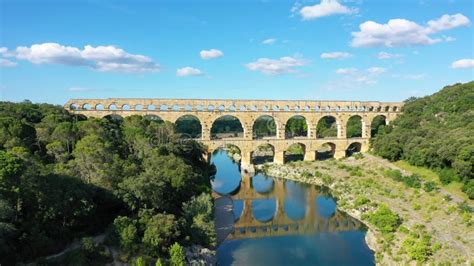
(270, 207)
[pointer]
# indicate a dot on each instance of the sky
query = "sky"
(378, 50)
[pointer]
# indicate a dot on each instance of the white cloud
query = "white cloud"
(336, 55)
(269, 41)
(7, 63)
(346, 71)
(463, 63)
(100, 58)
(188, 71)
(325, 8)
(376, 70)
(210, 54)
(385, 55)
(402, 32)
(3, 50)
(283, 65)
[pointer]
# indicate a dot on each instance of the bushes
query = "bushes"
(384, 219)
(448, 175)
(418, 247)
(198, 213)
(177, 257)
(361, 200)
(468, 188)
(429, 186)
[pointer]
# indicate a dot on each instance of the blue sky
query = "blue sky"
(385, 50)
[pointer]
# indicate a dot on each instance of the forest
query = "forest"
(64, 177)
(437, 132)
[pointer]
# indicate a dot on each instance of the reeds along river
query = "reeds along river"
(267, 221)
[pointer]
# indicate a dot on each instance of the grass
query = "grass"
(427, 174)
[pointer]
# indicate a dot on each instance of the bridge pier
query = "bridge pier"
(246, 162)
(310, 155)
(339, 153)
(279, 157)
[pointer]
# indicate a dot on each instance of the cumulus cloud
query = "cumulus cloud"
(100, 58)
(336, 55)
(325, 8)
(7, 63)
(402, 32)
(188, 71)
(385, 55)
(463, 63)
(269, 41)
(210, 54)
(376, 70)
(283, 65)
(3, 50)
(346, 71)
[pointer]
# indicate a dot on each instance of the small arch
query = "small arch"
(151, 107)
(99, 107)
(210, 108)
(354, 147)
(74, 106)
(387, 108)
(296, 127)
(354, 127)
(264, 153)
(326, 127)
(362, 108)
(221, 108)
(86, 106)
(286, 108)
(394, 109)
(176, 107)
(295, 152)
(125, 107)
(188, 126)
(338, 108)
(113, 107)
(265, 108)
(297, 108)
(138, 107)
(307, 108)
(164, 107)
(232, 108)
(188, 108)
(226, 127)
(243, 108)
(263, 210)
(378, 125)
(199, 108)
(253, 108)
(317, 108)
(328, 108)
(276, 108)
(371, 108)
(264, 127)
(325, 151)
(114, 118)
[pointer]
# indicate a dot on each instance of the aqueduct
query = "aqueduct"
(247, 112)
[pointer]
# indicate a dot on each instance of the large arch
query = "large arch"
(188, 126)
(354, 147)
(295, 152)
(114, 117)
(154, 118)
(354, 127)
(264, 127)
(295, 200)
(296, 126)
(228, 179)
(327, 127)
(262, 184)
(264, 210)
(325, 151)
(264, 153)
(377, 125)
(225, 127)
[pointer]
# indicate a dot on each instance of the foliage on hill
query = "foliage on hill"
(63, 177)
(435, 131)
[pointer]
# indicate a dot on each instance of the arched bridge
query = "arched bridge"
(247, 112)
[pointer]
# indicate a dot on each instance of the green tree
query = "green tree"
(384, 219)
(177, 257)
(198, 213)
(160, 231)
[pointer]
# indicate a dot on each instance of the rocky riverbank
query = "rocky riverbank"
(360, 186)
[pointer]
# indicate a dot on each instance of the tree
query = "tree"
(384, 219)
(160, 231)
(198, 213)
(177, 257)
(126, 234)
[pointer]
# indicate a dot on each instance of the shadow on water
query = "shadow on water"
(267, 221)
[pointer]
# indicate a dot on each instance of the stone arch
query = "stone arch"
(227, 126)
(325, 151)
(377, 124)
(327, 127)
(154, 118)
(295, 152)
(74, 106)
(164, 107)
(296, 126)
(352, 148)
(276, 108)
(125, 107)
(264, 127)
(263, 153)
(113, 117)
(175, 107)
(113, 107)
(151, 107)
(188, 126)
(221, 108)
(86, 106)
(231, 156)
(262, 184)
(99, 107)
(138, 107)
(243, 108)
(355, 127)
(264, 210)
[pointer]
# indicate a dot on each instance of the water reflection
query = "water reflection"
(277, 222)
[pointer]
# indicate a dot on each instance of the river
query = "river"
(262, 220)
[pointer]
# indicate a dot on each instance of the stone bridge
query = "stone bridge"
(247, 112)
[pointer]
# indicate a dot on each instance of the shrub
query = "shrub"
(413, 181)
(384, 219)
(394, 174)
(418, 248)
(358, 156)
(429, 186)
(177, 257)
(468, 188)
(361, 200)
(448, 175)
(327, 179)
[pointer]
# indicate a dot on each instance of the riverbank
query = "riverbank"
(435, 226)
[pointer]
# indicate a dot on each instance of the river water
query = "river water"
(267, 221)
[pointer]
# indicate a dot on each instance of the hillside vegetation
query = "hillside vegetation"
(437, 132)
(63, 177)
